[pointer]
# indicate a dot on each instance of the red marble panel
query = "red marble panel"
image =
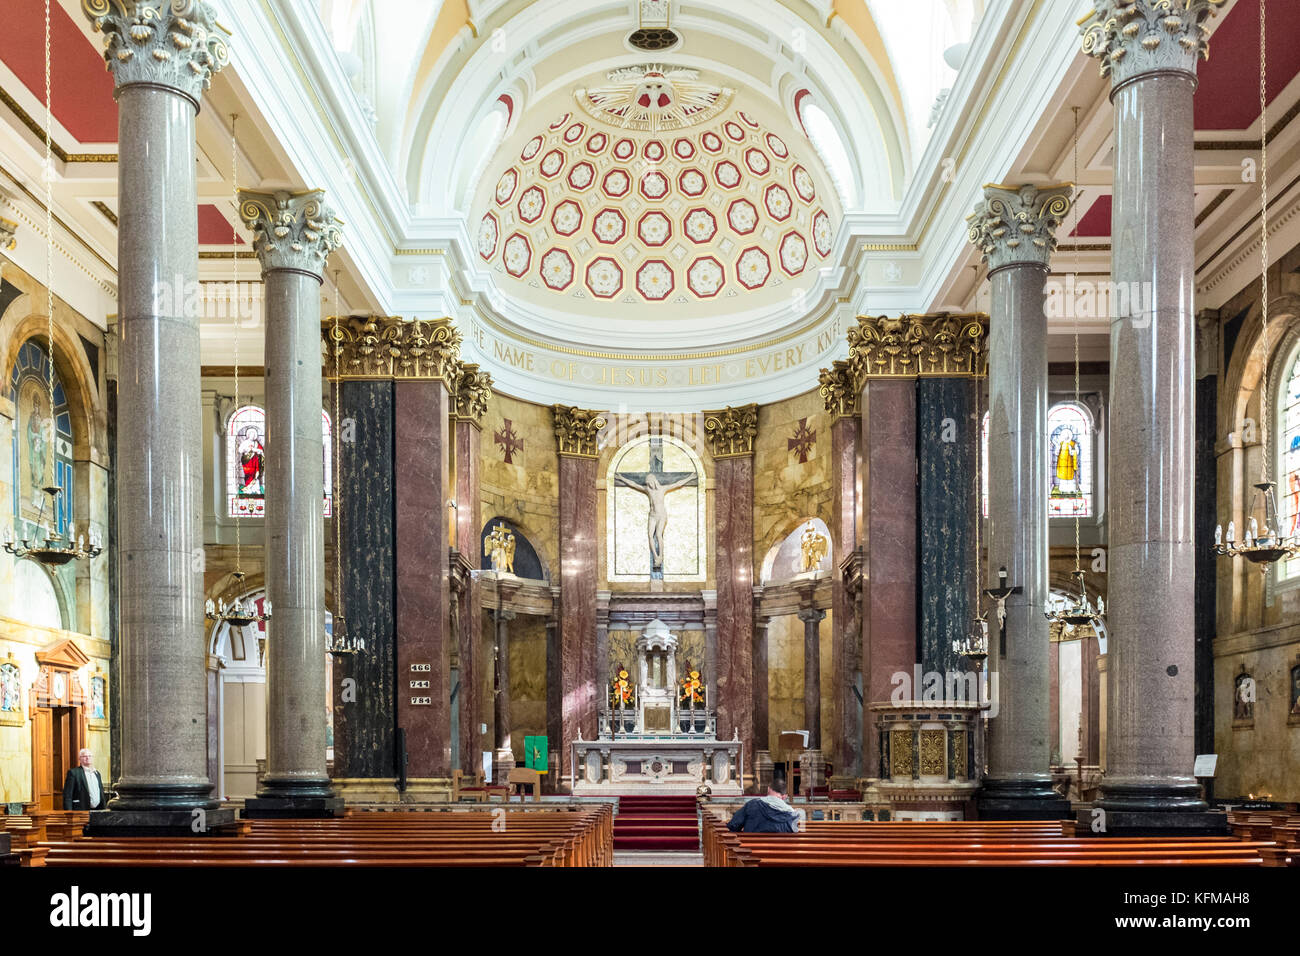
(577, 638)
(734, 566)
(890, 519)
(421, 448)
(845, 520)
(469, 521)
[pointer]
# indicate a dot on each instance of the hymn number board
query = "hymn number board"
(420, 683)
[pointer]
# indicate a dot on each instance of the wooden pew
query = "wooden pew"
(397, 838)
(975, 843)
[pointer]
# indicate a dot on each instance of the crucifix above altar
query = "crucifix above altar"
(656, 505)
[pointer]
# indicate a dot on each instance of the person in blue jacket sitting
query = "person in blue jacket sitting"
(768, 814)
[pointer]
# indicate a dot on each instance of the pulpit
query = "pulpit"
(657, 729)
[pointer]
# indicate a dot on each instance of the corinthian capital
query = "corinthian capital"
(176, 43)
(576, 430)
(1013, 226)
(730, 432)
(473, 388)
(291, 230)
(840, 389)
(379, 347)
(1132, 37)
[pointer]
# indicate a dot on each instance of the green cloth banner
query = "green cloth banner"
(535, 756)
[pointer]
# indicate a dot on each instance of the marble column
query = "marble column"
(504, 759)
(1150, 50)
(889, 612)
(160, 71)
(473, 391)
(293, 236)
(424, 638)
(840, 392)
(812, 618)
(576, 432)
(710, 599)
(1015, 231)
(762, 686)
(730, 433)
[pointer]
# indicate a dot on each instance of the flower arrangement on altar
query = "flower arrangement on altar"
(622, 693)
(690, 688)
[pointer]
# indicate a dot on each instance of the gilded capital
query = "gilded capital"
(377, 347)
(1017, 225)
(576, 430)
(730, 432)
(1132, 37)
(472, 390)
(291, 230)
(907, 346)
(840, 389)
(176, 43)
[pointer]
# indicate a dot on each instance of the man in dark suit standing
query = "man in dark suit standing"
(83, 789)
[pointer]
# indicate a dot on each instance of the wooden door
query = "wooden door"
(43, 764)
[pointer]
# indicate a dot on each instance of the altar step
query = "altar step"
(656, 823)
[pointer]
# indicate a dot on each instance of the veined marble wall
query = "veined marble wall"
(525, 489)
(785, 662)
(787, 488)
(527, 682)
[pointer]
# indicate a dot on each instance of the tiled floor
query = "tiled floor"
(650, 858)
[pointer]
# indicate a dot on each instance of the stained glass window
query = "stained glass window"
(246, 462)
(1288, 489)
(1069, 461)
(42, 443)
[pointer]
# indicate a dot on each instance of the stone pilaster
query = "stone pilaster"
(293, 236)
(162, 56)
(1150, 51)
(730, 433)
(840, 392)
(473, 391)
(1015, 231)
(576, 432)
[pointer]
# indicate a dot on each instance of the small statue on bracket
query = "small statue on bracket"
(501, 549)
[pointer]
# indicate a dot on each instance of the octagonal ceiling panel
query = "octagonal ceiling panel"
(656, 188)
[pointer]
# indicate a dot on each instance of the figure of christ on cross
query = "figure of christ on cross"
(656, 484)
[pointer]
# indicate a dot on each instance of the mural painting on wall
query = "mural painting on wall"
(11, 680)
(97, 697)
(509, 443)
(42, 440)
(802, 441)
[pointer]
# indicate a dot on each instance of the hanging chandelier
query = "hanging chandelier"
(1080, 612)
(55, 550)
(1269, 545)
(242, 611)
(1256, 547)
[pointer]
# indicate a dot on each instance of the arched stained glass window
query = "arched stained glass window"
(246, 462)
(1288, 466)
(42, 443)
(1069, 461)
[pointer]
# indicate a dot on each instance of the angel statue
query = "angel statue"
(812, 548)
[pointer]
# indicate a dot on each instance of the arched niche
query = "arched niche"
(656, 470)
(528, 563)
(783, 560)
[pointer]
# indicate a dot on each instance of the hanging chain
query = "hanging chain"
(1263, 244)
(335, 345)
(49, 240)
(234, 258)
(1078, 473)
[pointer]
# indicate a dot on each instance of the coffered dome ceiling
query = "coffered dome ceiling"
(656, 188)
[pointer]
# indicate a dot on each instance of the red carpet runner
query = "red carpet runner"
(657, 823)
